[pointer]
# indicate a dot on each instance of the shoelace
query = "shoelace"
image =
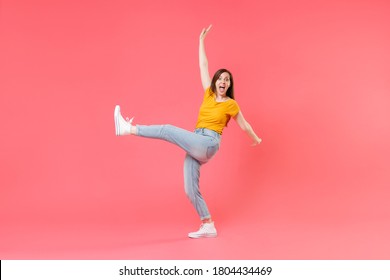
(203, 228)
(129, 120)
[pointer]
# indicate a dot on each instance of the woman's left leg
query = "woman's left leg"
(191, 186)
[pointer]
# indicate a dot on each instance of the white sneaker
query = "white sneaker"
(206, 230)
(122, 126)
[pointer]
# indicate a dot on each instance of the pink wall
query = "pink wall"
(312, 78)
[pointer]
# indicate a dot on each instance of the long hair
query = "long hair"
(230, 91)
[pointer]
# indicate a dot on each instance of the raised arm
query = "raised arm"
(245, 126)
(203, 62)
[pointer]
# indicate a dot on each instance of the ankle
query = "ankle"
(207, 221)
(133, 130)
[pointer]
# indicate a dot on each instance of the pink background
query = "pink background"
(312, 78)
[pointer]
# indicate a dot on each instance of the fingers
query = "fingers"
(205, 31)
(256, 142)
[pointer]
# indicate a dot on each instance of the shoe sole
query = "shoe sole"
(116, 119)
(209, 235)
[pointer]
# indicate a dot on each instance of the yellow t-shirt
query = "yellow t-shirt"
(216, 115)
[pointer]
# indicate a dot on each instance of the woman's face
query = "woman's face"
(223, 83)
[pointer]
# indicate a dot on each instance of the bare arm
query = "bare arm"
(245, 126)
(203, 62)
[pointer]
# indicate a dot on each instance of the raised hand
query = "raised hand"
(204, 32)
(203, 62)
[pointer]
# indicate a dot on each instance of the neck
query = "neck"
(221, 97)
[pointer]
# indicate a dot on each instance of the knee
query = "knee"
(188, 191)
(191, 192)
(167, 127)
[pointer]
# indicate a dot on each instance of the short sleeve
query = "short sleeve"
(208, 92)
(234, 108)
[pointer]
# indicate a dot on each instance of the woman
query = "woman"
(201, 145)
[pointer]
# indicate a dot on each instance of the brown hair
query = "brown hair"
(230, 91)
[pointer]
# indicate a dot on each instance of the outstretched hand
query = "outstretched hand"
(204, 32)
(256, 142)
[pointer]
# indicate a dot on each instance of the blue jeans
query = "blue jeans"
(200, 146)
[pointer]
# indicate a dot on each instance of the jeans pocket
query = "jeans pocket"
(211, 151)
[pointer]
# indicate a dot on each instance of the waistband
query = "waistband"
(209, 132)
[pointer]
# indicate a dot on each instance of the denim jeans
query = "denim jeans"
(200, 146)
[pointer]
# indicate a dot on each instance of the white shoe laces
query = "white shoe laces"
(205, 228)
(129, 120)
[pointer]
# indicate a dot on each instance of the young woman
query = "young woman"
(201, 145)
